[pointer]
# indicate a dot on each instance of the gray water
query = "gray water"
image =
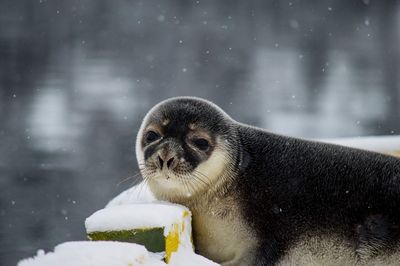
(77, 77)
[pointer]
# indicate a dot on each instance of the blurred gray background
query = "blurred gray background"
(76, 78)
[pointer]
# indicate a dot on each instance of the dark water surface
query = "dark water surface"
(76, 78)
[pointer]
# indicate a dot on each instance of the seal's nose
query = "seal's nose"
(161, 162)
(169, 158)
(170, 163)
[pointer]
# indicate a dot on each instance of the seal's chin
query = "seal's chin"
(166, 176)
(169, 186)
(164, 183)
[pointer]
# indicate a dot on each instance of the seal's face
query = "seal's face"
(182, 147)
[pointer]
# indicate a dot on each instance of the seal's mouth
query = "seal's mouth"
(183, 179)
(166, 176)
(167, 172)
(154, 169)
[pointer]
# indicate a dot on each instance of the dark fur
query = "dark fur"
(288, 187)
(292, 187)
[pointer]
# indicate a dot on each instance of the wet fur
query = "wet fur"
(288, 201)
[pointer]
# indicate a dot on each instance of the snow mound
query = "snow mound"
(132, 216)
(99, 253)
(136, 194)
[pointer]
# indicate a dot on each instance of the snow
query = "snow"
(133, 216)
(110, 253)
(136, 194)
(185, 256)
(136, 208)
(385, 144)
(123, 211)
(99, 253)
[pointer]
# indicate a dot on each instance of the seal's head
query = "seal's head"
(185, 148)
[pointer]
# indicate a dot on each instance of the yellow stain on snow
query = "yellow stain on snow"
(172, 242)
(173, 239)
(185, 215)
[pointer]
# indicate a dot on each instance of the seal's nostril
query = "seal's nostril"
(161, 162)
(169, 162)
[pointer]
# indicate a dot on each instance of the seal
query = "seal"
(260, 198)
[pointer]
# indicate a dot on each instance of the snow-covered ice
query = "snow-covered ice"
(99, 253)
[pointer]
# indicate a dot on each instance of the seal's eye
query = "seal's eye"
(202, 144)
(152, 136)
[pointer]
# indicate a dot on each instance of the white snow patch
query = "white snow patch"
(132, 216)
(99, 253)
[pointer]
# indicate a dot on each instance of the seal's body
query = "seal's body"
(263, 199)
